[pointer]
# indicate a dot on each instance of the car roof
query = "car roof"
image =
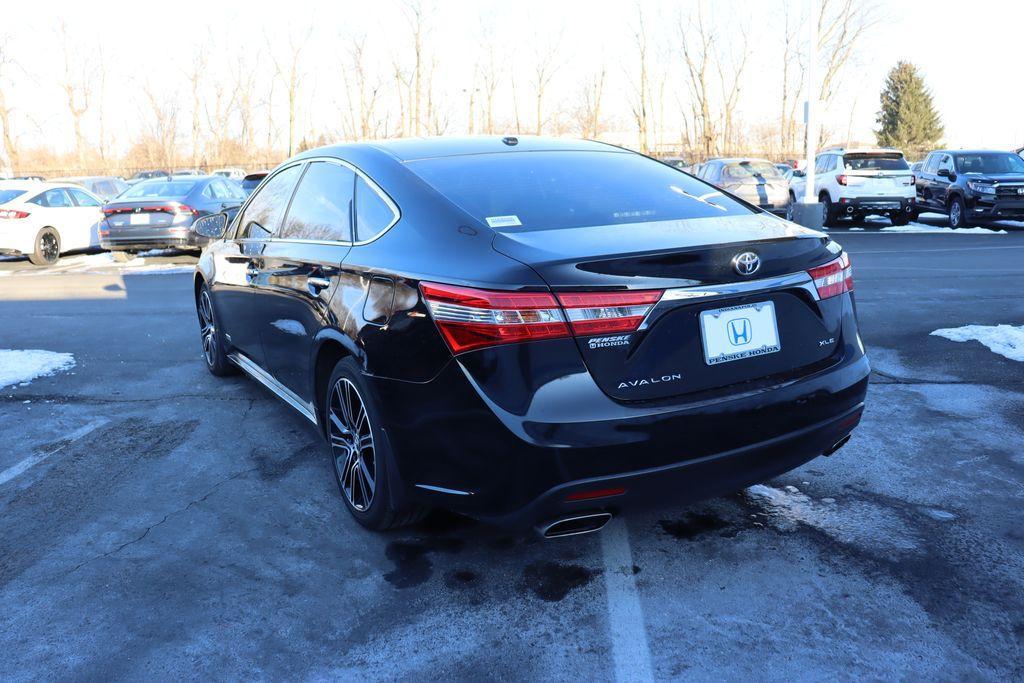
(411, 149)
(28, 185)
(740, 160)
(861, 150)
(971, 151)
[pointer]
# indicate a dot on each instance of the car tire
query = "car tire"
(215, 349)
(900, 218)
(958, 214)
(829, 209)
(361, 456)
(46, 248)
(789, 208)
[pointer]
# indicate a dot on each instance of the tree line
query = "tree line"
(681, 86)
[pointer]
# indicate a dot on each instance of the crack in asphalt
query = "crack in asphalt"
(170, 514)
(895, 379)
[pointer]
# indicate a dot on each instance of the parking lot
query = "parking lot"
(132, 546)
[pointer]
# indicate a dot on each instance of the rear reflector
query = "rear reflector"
(604, 312)
(474, 318)
(13, 214)
(833, 278)
(597, 493)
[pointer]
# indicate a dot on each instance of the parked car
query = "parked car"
(678, 162)
(916, 166)
(44, 220)
(232, 173)
(147, 175)
(854, 183)
(531, 330)
(972, 185)
(754, 180)
(187, 172)
(157, 214)
(251, 181)
(38, 178)
(105, 187)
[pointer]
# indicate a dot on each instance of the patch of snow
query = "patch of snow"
(856, 229)
(932, 229)
(930, 214)
(1006, 340)
(22, 366)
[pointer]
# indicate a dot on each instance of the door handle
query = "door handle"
(318, 283)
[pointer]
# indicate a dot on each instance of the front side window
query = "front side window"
(83, 198)
(322, 207)
(989, 162)
(570, 189)
(263, 215)
(946, 163)
(373, 214)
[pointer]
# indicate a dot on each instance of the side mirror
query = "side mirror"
(212, 226)
(946, 173)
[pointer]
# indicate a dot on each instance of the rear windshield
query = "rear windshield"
(171, 189)
(1002, 162)
(746, 170)
(8, 195)
(875, 162)
(554, 190)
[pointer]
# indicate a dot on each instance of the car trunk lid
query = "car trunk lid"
(694, 266)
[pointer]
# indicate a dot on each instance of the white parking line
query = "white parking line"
(631, 655)
(32, 460)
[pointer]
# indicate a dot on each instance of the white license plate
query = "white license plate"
(138, 219)
(739, 332)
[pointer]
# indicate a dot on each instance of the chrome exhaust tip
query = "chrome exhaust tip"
(837, 445)
(575, 525)
(849, 209)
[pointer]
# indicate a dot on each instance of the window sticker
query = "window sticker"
(503, 221)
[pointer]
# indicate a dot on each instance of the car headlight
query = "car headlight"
(981, 188)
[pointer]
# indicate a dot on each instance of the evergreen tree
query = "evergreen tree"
(907, 119)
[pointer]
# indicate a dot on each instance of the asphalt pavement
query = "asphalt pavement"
(175, 525)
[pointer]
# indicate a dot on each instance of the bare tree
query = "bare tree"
(588, 114)
(195, 76)
(641, 104)
(162, 122)
(363, 90)
(697, 39)
(544, 68)
(792, 86)
(7, 63)
(289, 72)
(77, 86)
(731, 83)
(490, 77)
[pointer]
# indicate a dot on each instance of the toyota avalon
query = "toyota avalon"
(531, 331)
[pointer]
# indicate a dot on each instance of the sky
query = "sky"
(969, 65)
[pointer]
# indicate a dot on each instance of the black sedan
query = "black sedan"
(532, 331)
(157, 214)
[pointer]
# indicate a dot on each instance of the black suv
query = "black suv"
(972, 185)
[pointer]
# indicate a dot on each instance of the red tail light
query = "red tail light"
(841, 179)
(13, 214)
(474, 318)
(184, 209)
(833, 278)
(605, 312)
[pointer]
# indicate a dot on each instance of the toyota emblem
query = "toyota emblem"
(746, 263)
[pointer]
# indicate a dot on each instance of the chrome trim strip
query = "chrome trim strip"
(441, 489)
(703, 293)
(267, 380)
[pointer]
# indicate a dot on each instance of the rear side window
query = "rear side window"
(373, 213)
(53, 199)
(10, 195)
(263, 215)
(875, 162)
(569, 189)
(322, 207)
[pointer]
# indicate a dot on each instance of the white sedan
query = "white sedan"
(44, 220)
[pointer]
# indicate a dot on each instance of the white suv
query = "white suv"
(857, 182)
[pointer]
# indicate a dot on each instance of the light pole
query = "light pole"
(807, 211)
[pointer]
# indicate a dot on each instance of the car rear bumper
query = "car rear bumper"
(880, 205)
(178, 237)
(455, 449)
